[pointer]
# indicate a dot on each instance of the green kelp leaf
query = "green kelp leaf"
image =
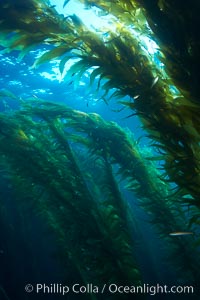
(97, 71)
(102, 76)
(80, 139)
(108, 85)
(77, 69)
(24, 52)
(14, 42)
(129, 104)
(47, 56)
(77, 22)
(117, 94)
(7, 93)
(63, 62)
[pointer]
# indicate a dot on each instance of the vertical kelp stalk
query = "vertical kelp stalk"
(171, 118)
(116, 219)
(174, 25)
(110, 219)
(154, 194)
(109, 142)
(58, 192)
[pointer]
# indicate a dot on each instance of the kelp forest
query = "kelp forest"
(79, 193)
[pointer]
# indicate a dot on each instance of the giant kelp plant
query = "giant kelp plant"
(88, 214)
(93, 236)
(172, 119)
(155, 196)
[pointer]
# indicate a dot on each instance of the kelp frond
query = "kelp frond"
(42, 134)
(120, 59)
(58, 192)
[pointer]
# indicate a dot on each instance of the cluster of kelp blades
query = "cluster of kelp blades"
(92, 234)
(172, 119)
(77, 193)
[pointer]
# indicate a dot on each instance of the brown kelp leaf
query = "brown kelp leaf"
(47, 56)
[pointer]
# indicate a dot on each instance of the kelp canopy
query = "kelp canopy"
(171, 119)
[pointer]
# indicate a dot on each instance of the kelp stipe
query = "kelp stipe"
(172, 120)
(154, 194)
(89, 233)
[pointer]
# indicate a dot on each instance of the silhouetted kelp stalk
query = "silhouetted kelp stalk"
(41, 161)
(174, 28)
(175, 122)
(175, 24)
(172, 120)
(108, 141)
(154, 195)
